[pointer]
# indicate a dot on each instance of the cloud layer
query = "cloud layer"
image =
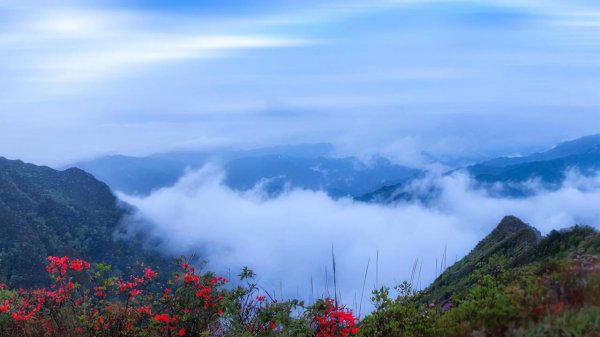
(288, 240)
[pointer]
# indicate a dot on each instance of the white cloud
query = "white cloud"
(76, 45)
(289, 239)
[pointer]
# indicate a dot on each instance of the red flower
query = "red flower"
(145, 310)
(181, 332)
(4, 308)
(79, 265)
(162, 318)
(149, 273)
(191, 278)
(336, 321)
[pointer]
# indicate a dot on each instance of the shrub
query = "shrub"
(86, 300)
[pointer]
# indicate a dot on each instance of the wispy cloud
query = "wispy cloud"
(67, 45)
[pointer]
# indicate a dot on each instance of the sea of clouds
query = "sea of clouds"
(289, 240)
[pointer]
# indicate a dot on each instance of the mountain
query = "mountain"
(48, 212)
(513, 283)
(582, 146)
(512, 238)
(274, 169)
(508, 176)
(134, 175)
(549, 167)
(520, 245)
(339, 177)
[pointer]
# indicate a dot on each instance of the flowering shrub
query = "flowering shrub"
(86, 300)
(335, 321)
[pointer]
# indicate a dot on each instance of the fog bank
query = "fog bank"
(289, 239)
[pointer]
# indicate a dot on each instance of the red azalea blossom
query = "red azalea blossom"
(79, 265)
(191, 278)
(145, 310)
(165, 318)
(336, 321)
(4, 307)
(149, 273)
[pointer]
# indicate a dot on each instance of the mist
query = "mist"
(289, 240)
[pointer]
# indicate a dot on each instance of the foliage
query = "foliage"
(48, 212)
(554, 297)
(87, 300)
(512, 238)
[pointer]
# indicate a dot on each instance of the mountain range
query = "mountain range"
(314, 167)
(509, 176)
(275, 169)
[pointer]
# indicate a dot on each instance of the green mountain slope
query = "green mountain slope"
(512, 238)
(48, 212)
(520, 245)
(513, 283)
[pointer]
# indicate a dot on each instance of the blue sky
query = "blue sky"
(451, 78)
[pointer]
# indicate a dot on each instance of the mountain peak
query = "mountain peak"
(580, 146)
(511, 238)
(584, 144)
(509, 226)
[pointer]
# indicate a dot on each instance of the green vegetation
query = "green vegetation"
(514, 283)
(48, 212)
(512, 238)
(85, 300)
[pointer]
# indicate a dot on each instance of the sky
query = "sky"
(455, 79)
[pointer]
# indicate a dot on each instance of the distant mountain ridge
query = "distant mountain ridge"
(582, 154)
(48, 212)
(308, 166)
(547, 169)
(580, 146)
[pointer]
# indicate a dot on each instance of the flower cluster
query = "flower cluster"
(335, 321)
(87, 301)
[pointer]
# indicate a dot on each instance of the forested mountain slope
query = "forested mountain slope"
(48, 212)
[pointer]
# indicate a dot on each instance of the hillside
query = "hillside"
(519, 244)
(512, 238)
(48, 212)
(513, 283)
